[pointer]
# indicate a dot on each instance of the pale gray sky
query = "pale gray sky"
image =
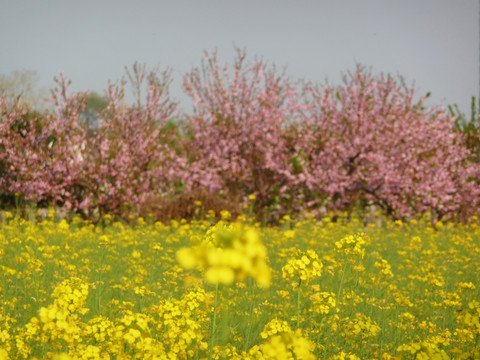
(432, 42)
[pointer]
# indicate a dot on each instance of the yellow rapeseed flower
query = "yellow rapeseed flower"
(363, 326)
(228, 253)
(422, 350)
(302, 269)
(353, 244)
(323, 302)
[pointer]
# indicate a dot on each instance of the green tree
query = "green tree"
(96, 103)
(23, 85)
(469, 127)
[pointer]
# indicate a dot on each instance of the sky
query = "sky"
(432, 43)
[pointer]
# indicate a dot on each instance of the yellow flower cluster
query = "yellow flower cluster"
(422, 351)
(285, 346)
(132, 331)
(353, 244)
(415, 243)
(302, 269)
(99, 329)
(275, 327)
(466, 285)
(181, 324)
(345, 356)
(109, 340)
(5, 337)
(470, 321)
(385, 268)
(59, 322)
(363, 326)
(229, 252)
(323, 302)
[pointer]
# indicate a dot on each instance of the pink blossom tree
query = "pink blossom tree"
(134, 153)
(56, 160)
(41, 154)
(369, 140)
(239, 140)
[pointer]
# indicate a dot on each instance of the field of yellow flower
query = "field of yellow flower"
(237, 290)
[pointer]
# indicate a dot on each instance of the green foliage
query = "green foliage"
(469, 127)
(23, 85)
(96, 103)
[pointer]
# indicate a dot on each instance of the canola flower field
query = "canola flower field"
(310, 289)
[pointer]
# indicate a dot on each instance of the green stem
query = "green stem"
(298, 306)
(250, 317)
(477, 337)
(341, 283)
(214, 324)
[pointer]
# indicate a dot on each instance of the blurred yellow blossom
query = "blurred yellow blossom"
(422, 350)
(363, 326)
(228, 252)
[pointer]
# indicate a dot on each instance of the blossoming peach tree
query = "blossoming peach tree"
(242, 133)
(369, 140)
(41, 156)
(57, 159)
(133, 154)
(251, 132)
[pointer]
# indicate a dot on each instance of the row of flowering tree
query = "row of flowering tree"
(295, 146)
